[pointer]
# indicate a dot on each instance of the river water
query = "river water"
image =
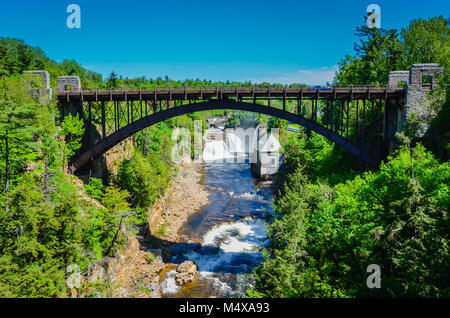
(231, 228)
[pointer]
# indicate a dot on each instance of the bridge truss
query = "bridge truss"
(358, 118)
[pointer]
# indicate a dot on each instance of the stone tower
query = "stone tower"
(38, 84)
(419, 81)
(70, 84)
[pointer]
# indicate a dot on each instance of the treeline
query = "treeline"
(16, 57)
(332, 220)
(116, 81)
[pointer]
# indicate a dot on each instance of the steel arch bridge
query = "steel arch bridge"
(111, 116)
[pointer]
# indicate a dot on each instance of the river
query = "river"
(231, 228)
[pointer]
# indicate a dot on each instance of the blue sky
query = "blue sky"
(278, 41)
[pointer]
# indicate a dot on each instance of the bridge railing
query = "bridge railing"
(231, 87)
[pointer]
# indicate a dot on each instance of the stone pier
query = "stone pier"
(38, 84)
(418, 81)
(70, 84)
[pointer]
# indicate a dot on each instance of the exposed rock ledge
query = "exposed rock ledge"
(186, 272)
(185, 197)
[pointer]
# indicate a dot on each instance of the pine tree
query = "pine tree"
(17, 112)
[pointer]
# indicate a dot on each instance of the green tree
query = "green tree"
(103, 230)
(73, 130)
(17, 112)
(145, 179)
(113, 81)
(427, 41)
(378, 52)
(39, 238)
(94, 188)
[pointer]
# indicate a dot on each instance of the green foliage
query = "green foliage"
(44, 227)
(146, 175)
(323, 237)
(162, 229)
(103, 227)
(145, 178)
(38, 238)
(16, 57)
(113, 81)
(275, 122)
(94, 188)
(40, 222)
(73, 130)
(427, 41)
(319, 158)
(438, 136)
(187, 121)
(241, 119)
(18, 114)
(380, 51)
(155, 139)
(215, 113)
(149, 257)
(114, 199)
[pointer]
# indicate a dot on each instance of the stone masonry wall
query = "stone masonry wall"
(416, 101)
(64, 82)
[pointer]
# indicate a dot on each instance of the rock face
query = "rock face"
(186, 272)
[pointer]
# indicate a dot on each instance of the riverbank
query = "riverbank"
(186, 196)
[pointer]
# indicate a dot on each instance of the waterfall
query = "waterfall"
(234, 143)
(218, 150)
(215, 151)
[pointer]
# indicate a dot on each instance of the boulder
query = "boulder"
(186, 272)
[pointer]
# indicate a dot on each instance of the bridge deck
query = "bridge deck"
(365, 92)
